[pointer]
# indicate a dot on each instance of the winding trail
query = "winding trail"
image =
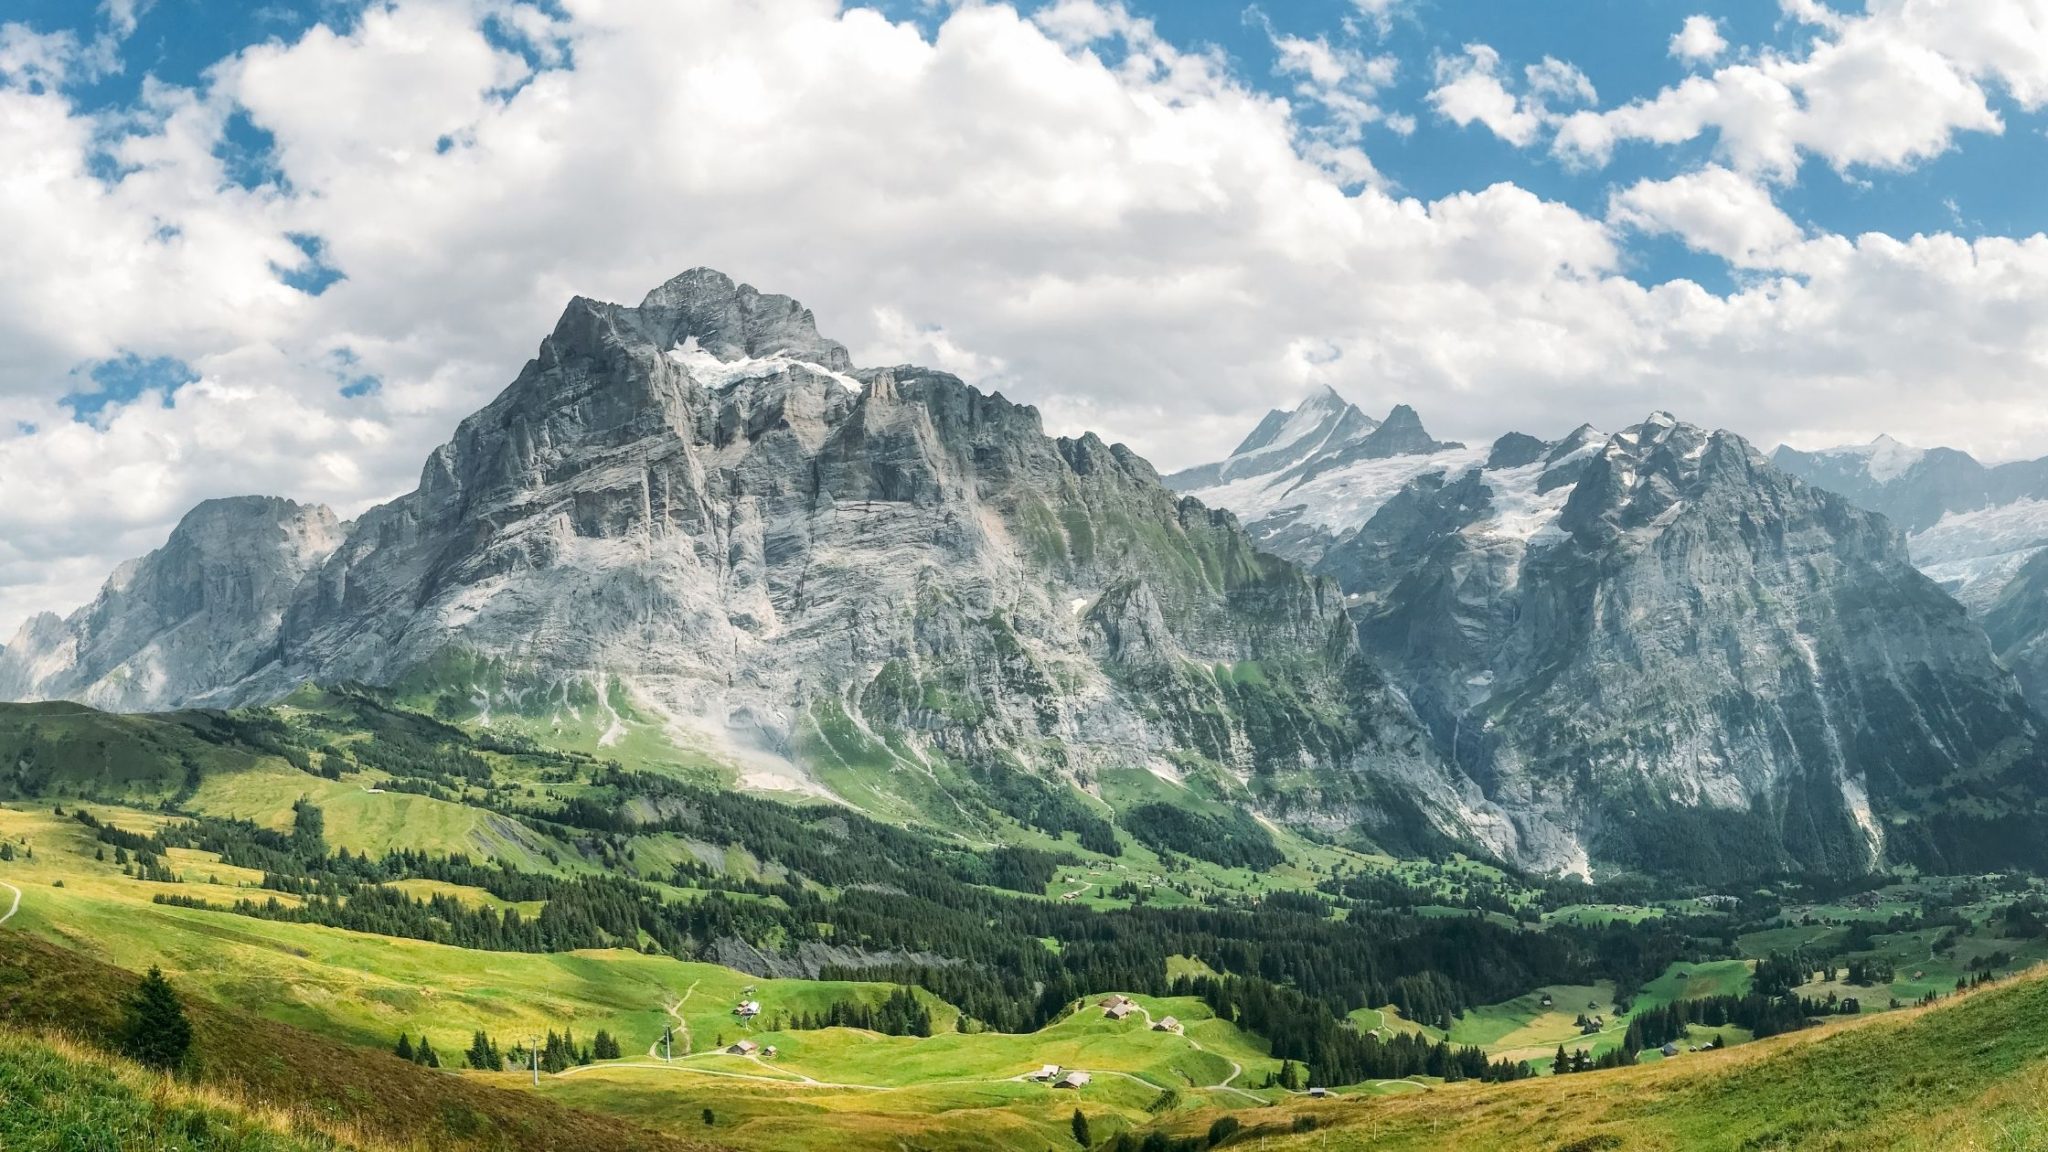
(682, 1025)
(16, 906)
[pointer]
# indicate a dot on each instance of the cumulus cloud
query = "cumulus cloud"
(1068, 207)
(1470, 90)
(1698, 39)
(1885, 90)
(1713, 210)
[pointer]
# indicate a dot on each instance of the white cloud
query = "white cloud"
(1115, 230)
(1470, 90)
(1698, 40)
(1887, 89)
(1712, 210)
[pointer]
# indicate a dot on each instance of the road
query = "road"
(16, 907)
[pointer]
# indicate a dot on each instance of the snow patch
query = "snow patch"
(1338, 499)
(710, 371)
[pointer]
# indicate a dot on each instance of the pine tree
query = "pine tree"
(709, 1118)
(425, 1055)
(404, 1050)
(156, 1032)
(1081, 1134)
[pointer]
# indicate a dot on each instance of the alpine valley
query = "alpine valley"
(727, 745)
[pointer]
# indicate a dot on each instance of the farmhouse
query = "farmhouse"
(744, 1048)
(1117, 1007)
(1318, 1093)
(748, 1009)
(1167, 1024)
(1670, 1049)
(1046, 1072)
(1073, 1080)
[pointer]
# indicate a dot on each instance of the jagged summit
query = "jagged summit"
(1324, 422)
(733, 321)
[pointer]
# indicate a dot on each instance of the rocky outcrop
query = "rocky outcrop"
(200, 612)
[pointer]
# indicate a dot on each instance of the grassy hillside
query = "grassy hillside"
(58, 1096)
(279, 840)
(1967, 1073)
(362, 1096)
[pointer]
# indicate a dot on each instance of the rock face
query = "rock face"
(1971, 527)
(198, 613)
(878, 579)
(2017, 623)
(1655, 649)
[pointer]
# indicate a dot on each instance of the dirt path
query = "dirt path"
(1236, 1069)
(682, 1026)
(16, 906)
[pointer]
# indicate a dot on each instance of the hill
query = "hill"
(1966, 1073)
(335, 1091)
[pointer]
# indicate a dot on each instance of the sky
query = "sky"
(283, 248)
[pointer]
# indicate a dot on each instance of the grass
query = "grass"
(59, 1096)
(359, 1097)
(955, 1089)
(1968, 1073)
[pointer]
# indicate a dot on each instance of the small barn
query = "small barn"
(748, 1009)
(1046, 1073)
(1118, 1007)
(744, 1048)
(1167, 1024)
(1670, 1049)
(1073, 1080)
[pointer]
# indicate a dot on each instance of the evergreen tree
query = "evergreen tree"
(1560, 1063)
(424, 1055)
(482, 1054)
(156, 1032)
(709, 1118)
(404, 1050)
(1081, 1135)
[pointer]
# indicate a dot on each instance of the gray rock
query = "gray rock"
(199, 612)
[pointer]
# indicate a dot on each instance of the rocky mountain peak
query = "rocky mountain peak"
(736, 321)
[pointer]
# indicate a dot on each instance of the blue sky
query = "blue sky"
(285, 247)
(1986, 186)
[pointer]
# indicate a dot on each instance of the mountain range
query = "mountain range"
(1652, 648)
(1980, 530)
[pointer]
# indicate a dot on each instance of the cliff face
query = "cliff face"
(1656, 649)
(199, 612)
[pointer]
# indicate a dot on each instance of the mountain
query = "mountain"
(1655, 648)
(200, 612)
(1971, 526)
(1297, 492)
(696, 509)
(2017, 623)
(1324, 422)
